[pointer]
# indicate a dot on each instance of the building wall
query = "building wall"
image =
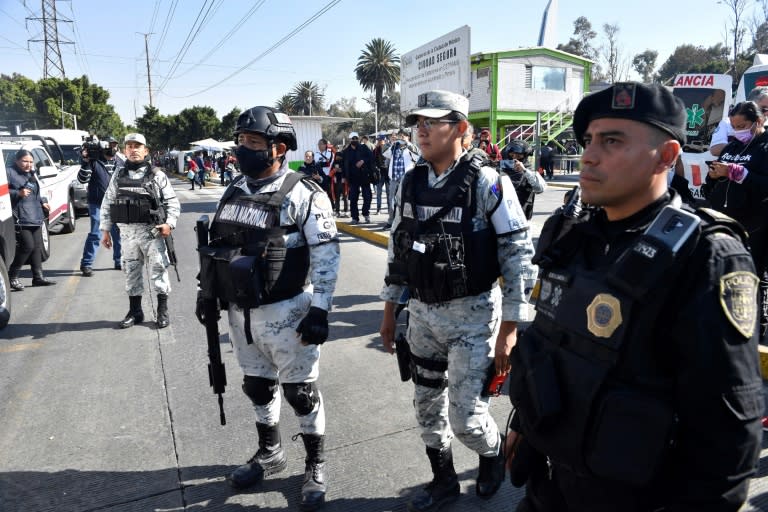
(480, 99)
(308, 132)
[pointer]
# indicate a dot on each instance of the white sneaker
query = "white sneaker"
(367, 220)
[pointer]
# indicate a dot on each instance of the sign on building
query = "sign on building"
(440, 64)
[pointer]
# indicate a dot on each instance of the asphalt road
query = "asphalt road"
(95, 418)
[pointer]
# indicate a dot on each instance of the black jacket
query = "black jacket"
(97, 179)
(355, 175)
(27, 211)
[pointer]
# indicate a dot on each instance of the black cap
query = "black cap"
(646, 103)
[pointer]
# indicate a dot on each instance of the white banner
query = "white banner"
(440, 64)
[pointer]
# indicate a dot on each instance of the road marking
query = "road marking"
(18, 347)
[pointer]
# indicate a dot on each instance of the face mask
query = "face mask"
(743, 136)
(253, 163)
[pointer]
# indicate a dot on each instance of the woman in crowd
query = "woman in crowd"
(29, 210)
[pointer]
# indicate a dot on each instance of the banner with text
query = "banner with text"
(440, 64)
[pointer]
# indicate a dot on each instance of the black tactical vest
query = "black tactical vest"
(134, 199)
(593, 390)
(524, 190)
(437, 254)
(251, 265)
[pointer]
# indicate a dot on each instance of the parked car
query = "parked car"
(7, 249)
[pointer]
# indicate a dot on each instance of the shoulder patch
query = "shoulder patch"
(738, 298)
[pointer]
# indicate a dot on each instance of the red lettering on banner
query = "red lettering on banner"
(695, 81)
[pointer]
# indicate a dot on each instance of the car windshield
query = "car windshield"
(8, 155)
(71, 153)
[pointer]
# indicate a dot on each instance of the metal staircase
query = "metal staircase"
(553, 123)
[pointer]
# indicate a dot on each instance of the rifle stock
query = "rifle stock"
(217, 376)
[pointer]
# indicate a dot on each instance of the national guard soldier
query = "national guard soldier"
(458, 227)
(637, 385)
(141, 201)
(274, 238)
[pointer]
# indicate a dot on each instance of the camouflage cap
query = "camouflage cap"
(436, 104)
(652, 104)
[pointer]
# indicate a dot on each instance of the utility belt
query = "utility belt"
(434, 270)
(408, 362)
(253, 279)
(131, 211)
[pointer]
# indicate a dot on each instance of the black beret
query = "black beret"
(652, 104)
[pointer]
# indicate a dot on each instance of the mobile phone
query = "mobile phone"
(709, 162)
(673, 227)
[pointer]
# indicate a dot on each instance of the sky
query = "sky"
(234, 56)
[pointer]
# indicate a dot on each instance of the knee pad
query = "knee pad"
(261, 391)
(302, 396)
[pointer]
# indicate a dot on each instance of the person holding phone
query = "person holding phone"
(637, 385)
(737, 185)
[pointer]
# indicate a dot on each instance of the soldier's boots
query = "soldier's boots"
(444, 487)
(135, 313)
(268, 460)
(162, 311)
(491, 473)
(313, 489)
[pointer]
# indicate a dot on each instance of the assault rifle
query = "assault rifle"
(158, 215)
(217, 376)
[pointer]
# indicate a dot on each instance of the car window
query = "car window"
(8, 157)
(71, 154)
(41, 158)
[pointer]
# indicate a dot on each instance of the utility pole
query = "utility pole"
(51, 39)
(146, 51)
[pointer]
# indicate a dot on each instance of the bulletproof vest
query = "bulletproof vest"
(252, 265)
(134, 199)
(525, 193)
(593, 390)
(437, 253)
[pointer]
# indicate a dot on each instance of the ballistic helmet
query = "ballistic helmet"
(517, 146)
(273, 125)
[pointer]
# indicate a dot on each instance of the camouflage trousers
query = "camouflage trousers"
(463, 333)
(140, 247)
(277, 354)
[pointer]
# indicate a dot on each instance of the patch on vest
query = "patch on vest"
(604, 315)
(246, 214)
(738, 296)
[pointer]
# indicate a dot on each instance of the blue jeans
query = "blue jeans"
(94, 238)
(381, 185)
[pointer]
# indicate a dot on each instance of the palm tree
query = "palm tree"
(378, 68)
(307, 98)
(285, 104)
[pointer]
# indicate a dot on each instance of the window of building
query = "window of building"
(544, 77)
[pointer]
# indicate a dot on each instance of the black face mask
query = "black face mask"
(252, 162)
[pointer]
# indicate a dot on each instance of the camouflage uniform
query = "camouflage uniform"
(276, 352)
(140, 242)
(463, 331)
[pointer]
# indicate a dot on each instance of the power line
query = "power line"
(79, 43)
(168, 19)
(154, 17)
(306, 23)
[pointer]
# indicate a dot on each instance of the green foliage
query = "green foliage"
(688, 58)
(378, 68)
(644, 63)
(307, 99)
(228, 123)
(285, 105)
(582, 44)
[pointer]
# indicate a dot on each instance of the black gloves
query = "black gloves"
(314, 326)
(200, 307)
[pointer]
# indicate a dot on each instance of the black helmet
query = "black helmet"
(517, 146)
(110, 139)
(273, 125)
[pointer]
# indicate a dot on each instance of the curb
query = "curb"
(374, 237)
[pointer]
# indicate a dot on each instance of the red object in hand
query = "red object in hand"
(494, 387)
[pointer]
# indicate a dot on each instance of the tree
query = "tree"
(285, 105)
(644, 63)
(307, 98)
(344, 107)
(228, 124)
(688, 58)
(737, 28)
(615, 63)
(378, 69)
(194, 123)
(156, 128)
(581, 44)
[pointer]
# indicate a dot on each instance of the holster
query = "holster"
(403, 351)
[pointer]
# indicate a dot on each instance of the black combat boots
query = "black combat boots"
(39, 280)
(268, 460)
(135, 314)
(491, 473)
(313, 489)
(444, 487)
(162, 311)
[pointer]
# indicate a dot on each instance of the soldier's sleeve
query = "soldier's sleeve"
(170, 200)
(319, 228)
(536, 181)
(105, 221)
(394, 292)
(514, 244)
(718, 395)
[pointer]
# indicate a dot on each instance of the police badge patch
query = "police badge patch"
(604, 315)
(738, 297)
(623, 96)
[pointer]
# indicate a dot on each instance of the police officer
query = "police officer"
(527, 182)
(637, 383)
(458, 227)
(136, 194)
(277, 224)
